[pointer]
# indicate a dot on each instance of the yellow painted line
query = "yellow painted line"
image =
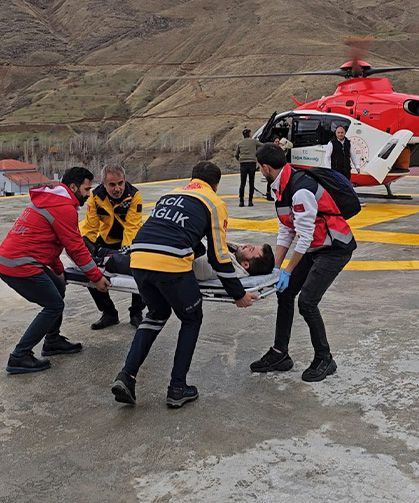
(382, 265)
(394, 238)
(373, 214)
(6, 198)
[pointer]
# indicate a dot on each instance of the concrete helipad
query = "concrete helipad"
(266, 438)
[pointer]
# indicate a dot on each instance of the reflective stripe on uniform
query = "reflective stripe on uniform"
(16, 262)
(88, 266)
(216, 227)
(42, 211)
(179, 252)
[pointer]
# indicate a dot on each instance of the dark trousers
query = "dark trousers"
(163, 292)
(312, 277)
(105, 304)
(247, 169)
(46, 290)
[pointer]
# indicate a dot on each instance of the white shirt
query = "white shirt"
(328, 156)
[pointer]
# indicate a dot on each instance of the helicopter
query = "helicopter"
(383, 125)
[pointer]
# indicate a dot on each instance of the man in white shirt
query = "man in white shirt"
(247, 259)
(339, 154)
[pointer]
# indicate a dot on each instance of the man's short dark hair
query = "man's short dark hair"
(207, 172)
(246, 132)
(263, 264)
(76, 175)
(272, 155)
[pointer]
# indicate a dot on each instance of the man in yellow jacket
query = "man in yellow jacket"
(113, 218)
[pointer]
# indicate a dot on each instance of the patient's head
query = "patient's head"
(256, 259)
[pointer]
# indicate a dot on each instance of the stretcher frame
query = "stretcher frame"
(212, 290)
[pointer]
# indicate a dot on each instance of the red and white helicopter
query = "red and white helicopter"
(383, 125)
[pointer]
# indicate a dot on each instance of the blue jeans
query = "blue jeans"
(163, 292)
(47, 290)
(311, 278)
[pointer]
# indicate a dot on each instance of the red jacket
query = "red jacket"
(40, 234)
(311, 214)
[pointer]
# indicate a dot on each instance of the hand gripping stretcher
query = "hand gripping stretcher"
(212, 290)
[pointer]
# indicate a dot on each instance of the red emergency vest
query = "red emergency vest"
(329, 225)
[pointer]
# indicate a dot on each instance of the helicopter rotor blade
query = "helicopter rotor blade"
(373, 71)
(338, 72)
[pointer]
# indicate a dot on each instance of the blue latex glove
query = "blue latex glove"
(283, 281)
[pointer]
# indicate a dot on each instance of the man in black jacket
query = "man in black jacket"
(339, 154)
(162, 254)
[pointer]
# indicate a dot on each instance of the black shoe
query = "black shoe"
(241, 204)
(178, 396)
(269, 197)
(60, 346)
(25, 364)
(272, 360)
(106, 320)
(319, 369)
(250, 203)
(135, 320)
(124, 388)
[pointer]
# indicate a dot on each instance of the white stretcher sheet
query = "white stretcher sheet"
(211, 290)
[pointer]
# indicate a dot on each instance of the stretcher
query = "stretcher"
(212, 290)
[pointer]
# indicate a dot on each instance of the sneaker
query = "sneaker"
(60, 346)
(25, 364)
(135, 320)
(250, 203)
(124, 388)
(272, 360)
(241, 204)
(178, 396)
(106, 320)
(319, 369)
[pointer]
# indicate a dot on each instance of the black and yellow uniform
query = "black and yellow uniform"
(161, 262)
(113, 223)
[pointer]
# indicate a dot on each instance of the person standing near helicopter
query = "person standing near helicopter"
(339, 154)
(246, 155)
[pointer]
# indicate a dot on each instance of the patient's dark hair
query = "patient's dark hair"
(207, 172)
(272, 155)
(263, 264)
(76, 175)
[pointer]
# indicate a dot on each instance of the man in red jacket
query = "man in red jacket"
(324, 245)
(30, 264)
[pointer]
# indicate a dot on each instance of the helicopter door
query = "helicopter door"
(306, 137)
(383, 161)
(267, 130)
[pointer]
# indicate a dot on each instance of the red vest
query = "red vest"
(329, 226)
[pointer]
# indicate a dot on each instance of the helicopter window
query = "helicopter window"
(412, 107)
(330, 123)
(306, 132)
(387, 149)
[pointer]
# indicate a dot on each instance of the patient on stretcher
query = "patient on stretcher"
(247, 259)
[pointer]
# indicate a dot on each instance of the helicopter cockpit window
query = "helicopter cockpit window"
(306, 132)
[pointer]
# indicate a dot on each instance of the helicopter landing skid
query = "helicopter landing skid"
(389, 194)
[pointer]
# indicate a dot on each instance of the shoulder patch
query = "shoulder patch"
(299, 208)
(192, 186)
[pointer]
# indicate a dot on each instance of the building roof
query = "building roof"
(14, 165)
(30, 178)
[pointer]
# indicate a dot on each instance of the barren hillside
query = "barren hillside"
(83, 77)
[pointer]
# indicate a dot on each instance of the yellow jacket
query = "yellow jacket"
(115, 223)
